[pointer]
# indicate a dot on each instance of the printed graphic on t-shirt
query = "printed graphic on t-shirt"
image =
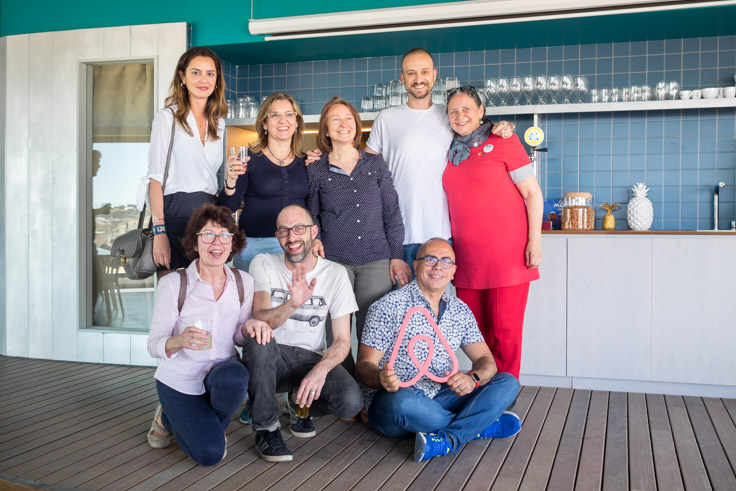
(312, 312)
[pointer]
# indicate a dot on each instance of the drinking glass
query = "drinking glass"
(566, 87)
(603, 94)
(554, 87)
(661, 91)
(451, 83)
(672, 89)
(503, 91)
(205, 325)
(615, 95)
(379, 90)
(515, 89)
(491, 91)
(527, 88)
(581, 87)
(594, 96)
(635, 93)
(540, 88)
(625, 94)
(646, 93)
(366, 103)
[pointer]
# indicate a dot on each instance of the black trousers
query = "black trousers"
(178, 209)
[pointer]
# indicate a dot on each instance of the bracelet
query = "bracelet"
(228, 187)
(159, 229)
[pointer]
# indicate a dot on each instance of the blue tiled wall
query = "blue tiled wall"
(679, 154)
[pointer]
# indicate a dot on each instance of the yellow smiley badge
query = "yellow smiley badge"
(534, 136)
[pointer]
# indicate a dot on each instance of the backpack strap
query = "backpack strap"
(239, 282)
(182, 287)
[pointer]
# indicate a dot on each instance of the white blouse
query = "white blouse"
(193, 166)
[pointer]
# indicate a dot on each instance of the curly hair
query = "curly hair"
(219, 215)
(179, 95)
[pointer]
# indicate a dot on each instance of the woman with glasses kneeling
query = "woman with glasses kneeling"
(354, 203)
(199, 316)
(496, 219)
(274, 177)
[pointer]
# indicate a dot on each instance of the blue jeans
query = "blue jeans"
(255, 246)
(408, 410)
(199, 422)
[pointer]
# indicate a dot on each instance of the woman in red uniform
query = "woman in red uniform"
(496, 217)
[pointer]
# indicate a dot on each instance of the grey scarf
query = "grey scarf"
(460, 149)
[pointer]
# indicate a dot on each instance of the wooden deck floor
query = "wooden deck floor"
(78, 425)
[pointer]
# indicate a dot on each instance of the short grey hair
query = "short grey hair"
(433, 239)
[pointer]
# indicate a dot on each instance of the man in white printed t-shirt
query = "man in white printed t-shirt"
(294, 292)
(414, 139)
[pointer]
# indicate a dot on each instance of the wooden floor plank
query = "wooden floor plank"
(616, 460)
(331, 458)
(488, 467)
(730, 405)
(345, 460)
(641, 461)
(724, 426)
(545, 451)
(360, 467)
(53, 380)
(435, 470)
(590, 468)
(565, 465)
(663, 445)
(716, 463)
(386, 467)
(688, 455)
(513, 468)
(462, 468)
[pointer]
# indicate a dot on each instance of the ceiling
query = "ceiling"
(697, 22)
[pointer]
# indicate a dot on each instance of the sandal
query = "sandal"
(158, 441)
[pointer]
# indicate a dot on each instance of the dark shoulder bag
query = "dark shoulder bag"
(135, 247)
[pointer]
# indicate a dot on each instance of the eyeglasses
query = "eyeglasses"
(297, 229)
(277, 116)
(209, 237)
(430, 261)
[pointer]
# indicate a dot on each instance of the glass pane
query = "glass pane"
(122, 99)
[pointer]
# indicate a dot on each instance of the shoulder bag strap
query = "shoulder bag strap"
(239, 282)
(166, 172)
(182, 287)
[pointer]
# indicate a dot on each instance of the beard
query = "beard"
(301, 255)
(417, 95)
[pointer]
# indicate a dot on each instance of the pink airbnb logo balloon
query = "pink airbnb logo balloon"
(422, 367)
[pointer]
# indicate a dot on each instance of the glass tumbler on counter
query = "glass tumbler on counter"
(581, 88)
(578, 212)
(491, 91)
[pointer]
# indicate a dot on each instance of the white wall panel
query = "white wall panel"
(143, 40)
(116, 348)
(117, 42)
(40, 195)
(90, 346)
(172, 43)
(139, 351)
(65, 190)
(544, 345)
(90, 43)
(3, 259)
(17, 239)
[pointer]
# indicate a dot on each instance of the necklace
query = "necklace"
(354, 160)
(281, 161)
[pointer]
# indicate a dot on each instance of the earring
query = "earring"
(265, 131)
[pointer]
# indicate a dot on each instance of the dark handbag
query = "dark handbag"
(135, 247)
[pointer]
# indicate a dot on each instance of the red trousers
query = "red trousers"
(500, 316)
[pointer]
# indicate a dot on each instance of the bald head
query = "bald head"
(298, 212)
(440, 241)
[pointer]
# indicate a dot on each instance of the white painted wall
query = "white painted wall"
(43, 157)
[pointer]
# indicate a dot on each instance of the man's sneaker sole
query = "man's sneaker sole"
(420, 443)
(303, 434)
(275, 458)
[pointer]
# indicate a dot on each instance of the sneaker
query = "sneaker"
(271, 446)
(300, 427)
(245, 414)
(507, 425)
(428, 445)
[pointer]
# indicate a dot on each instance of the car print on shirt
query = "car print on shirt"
(312, 312)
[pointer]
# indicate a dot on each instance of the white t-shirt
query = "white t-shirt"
(333, 293)
(193, 166)
(414, 143)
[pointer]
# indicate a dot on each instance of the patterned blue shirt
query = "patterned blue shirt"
(383, 322)
(358, 214)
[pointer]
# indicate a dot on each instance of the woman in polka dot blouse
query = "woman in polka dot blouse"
(354, 203)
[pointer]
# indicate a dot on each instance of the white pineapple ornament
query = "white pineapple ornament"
(639, 211)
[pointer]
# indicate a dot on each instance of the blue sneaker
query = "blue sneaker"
(507, 425)
(428, 445)
(245, 414)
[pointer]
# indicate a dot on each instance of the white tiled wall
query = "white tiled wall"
(41, 268)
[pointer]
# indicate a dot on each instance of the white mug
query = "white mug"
(729, 91)
(697, 94)
(685, 94)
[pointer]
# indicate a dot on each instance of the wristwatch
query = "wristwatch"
(475, 378)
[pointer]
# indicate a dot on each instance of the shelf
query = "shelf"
(313, 119)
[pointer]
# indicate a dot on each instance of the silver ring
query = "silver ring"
(230, 169)
(313, 392)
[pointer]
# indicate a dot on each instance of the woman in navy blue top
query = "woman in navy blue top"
(354, 203)
(274, 177)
